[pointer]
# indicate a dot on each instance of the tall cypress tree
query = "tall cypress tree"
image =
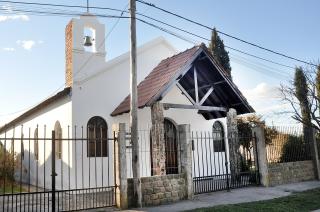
(301, 92)
(217, 49)
(318, 86)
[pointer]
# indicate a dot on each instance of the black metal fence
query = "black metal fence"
(287, 144)
(61, 170)
(212, 170)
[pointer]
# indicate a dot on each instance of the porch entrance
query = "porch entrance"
(170, 138)
(212, 168)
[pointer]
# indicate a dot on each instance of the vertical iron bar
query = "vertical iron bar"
(82, 175)
(44, 165)
(95, 165)
(53, 171)
(5, 176)
(68, 165)
(194, 165)
(29, 169)
(257, 159)
(102, 140)
(21, 158)
(13, 165)
(76, 163)
(199, 188)
(226, 161)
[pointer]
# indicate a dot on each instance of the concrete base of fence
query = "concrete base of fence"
(157, 190)
(290, 172)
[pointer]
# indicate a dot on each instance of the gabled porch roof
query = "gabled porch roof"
(199, 77)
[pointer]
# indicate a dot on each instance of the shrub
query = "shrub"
(295, 149)
(8, 162)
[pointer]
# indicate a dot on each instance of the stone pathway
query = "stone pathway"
(249, 194)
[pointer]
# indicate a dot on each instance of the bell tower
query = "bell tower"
(84, 47)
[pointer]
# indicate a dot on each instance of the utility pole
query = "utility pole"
(134, 105)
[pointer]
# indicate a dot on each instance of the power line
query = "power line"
(160, 28)
(151, 18)
(145, 22)
(61, 13)
(62, 5)
(226, 34)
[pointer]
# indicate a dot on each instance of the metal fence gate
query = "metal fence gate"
(61, 172)
(212, 170)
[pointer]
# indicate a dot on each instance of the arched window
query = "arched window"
(170, 138)
(97, 132)
(58, 138)
(36, 145)
(218, 137)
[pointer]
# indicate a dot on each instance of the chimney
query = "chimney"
(69, 59)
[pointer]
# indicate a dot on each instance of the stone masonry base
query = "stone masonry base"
(158, 190)
(291, 172)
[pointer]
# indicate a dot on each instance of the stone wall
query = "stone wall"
(291, 172)
(158, 190)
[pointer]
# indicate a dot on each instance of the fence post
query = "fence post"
(157, 138)
(121, 166)
(315, 155)
(53, 170)
(261, 154)
(186, 156)
(233, 143)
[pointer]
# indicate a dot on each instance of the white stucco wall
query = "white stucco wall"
(45, 120)
(101, 91)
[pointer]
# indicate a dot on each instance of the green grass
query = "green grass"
(10, 190)
(302, 201)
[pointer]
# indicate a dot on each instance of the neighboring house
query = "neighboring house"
(96, 93)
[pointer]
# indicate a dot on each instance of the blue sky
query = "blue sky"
(32, 47)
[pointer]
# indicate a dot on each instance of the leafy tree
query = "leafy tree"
(245, 125)
(217, 49)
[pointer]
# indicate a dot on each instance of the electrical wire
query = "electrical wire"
(226, 34)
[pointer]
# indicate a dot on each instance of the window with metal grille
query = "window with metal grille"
(36, 145)
(218, 137)
(97, 132)
(58, 140)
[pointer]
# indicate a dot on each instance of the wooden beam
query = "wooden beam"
(205, 97)
(195, 77)
(185, 93)
(194, 107)
(208, 85)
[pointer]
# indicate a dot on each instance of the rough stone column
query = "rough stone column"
(121, 166)
(157, 139)
(261, 154)
(233, 142)
(186, 156)
(315, 155)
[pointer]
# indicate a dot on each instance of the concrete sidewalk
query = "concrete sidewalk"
(249, 194)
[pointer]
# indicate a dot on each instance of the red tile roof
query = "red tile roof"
(159, 77)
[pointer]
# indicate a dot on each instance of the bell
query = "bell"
(87, 41)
